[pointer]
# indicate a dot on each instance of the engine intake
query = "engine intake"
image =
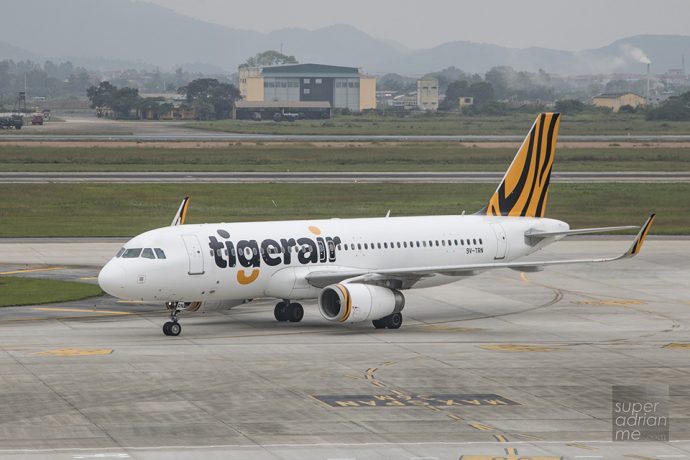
(354, 303)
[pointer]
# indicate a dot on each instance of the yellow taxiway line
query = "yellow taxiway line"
(32, 270)
(78, 310)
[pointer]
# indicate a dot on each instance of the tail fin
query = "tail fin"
(525, 186)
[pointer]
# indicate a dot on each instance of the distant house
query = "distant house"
(465, 101)
(405, 101)
(427, 94)
(615, 101)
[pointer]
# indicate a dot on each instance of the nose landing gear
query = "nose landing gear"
(172, 327)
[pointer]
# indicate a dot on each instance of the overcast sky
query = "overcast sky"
(562, 24)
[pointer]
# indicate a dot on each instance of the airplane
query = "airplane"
(356, 268)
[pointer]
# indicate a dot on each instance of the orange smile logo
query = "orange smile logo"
(243, 279)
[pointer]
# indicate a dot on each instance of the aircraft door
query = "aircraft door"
(196, 258)
(501, 241)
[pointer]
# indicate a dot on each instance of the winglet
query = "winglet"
(639, 239)
(181, 213)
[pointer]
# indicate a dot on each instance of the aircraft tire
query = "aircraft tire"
(379, 323)
(394, 321)
(281, 312)
(175, 328)
(295, 312)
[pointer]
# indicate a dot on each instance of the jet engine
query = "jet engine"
(354, 302)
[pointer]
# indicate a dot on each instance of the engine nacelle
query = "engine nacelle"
(353, 303)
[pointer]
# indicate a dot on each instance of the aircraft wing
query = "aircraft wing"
(404, 276)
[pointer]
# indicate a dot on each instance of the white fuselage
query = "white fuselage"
(216, 264)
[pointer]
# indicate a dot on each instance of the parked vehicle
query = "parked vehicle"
(11, 121)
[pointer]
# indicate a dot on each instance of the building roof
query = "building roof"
(310, 70)
(283, 105)
(615, 95)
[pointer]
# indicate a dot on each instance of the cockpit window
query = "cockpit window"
(132, 253)
(160, 253)
(119, 253)
(148, 254)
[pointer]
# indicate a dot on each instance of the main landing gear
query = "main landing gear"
(287, 311)
(172, 327)
(393, 321)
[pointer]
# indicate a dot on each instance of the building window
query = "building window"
(307, 91)
(318, 81)
(283, 84)
(307, 81)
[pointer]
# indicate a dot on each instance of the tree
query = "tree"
(101, 95)
(221, 96)
(154, 107)
(569, 106)
(674, 109)
(481, 91)
(455, 90)
(124, 101)
(268, 58)
(121, 100)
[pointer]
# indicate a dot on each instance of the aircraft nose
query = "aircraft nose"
(112, 279)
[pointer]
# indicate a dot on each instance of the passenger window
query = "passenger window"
(159, 253)
(359, 246)
(132, 253)
(385, 245)
(474, 241)
(405, 244)
(398, 244)
(480, 241)
(456, 242)
(119, 253)
(378, 245)
(148, 254)
(443, 242)
(366, 246)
